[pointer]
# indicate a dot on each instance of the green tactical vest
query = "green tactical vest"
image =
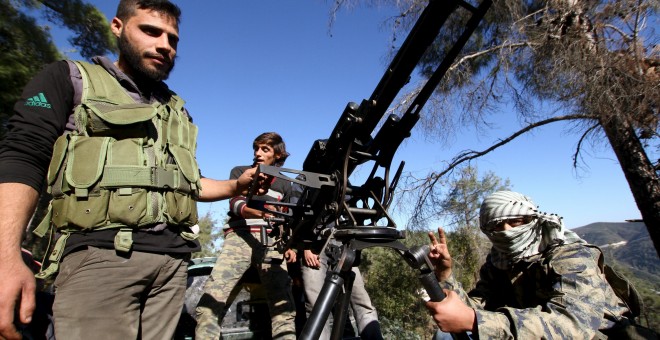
(128, 165)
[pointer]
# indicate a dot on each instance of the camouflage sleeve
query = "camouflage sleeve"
(574, 309)
(452, 284)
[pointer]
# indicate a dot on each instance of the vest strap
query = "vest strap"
(54, 258)
(139, 176)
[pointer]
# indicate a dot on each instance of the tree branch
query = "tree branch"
(486, 51)
(579, 145)
(465, 156)
(623, 34)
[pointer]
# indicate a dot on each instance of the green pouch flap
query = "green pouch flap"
(186, 162)
(124, 114)
(86, 160)
(181, 131)
(126, 152)
(124, 240)
(59, 152)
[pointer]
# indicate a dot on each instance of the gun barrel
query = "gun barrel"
(398, 73)
(357, 122)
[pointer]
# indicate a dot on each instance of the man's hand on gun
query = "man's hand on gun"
(246, 182)
(451, 315)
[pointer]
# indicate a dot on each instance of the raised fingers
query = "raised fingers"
(434, 241)
(441, 236)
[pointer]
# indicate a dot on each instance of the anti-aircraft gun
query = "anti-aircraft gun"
(356, 215)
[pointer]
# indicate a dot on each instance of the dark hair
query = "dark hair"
(275, 141)
(126, 8)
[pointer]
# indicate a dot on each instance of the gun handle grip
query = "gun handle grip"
(430, 283)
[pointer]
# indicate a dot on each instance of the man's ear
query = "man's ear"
(116, 25)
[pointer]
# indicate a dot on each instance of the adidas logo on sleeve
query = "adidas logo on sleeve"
(38, 100)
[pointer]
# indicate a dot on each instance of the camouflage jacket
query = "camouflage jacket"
(560, 294)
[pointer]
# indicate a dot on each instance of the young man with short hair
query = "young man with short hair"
(243, 248)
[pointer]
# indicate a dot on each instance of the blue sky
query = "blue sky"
(247, 67)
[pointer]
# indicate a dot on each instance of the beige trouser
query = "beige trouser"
(101, 295)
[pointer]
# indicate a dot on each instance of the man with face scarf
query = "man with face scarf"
(540, 280)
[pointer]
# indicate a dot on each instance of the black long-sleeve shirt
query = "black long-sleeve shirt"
(32, 130)
(41, 115)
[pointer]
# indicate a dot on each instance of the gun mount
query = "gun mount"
(357, 215)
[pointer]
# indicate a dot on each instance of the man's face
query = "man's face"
(147, 44)
(265, 154)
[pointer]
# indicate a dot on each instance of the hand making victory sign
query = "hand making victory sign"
(451, 314)
(439, 255)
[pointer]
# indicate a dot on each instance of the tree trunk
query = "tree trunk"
(640, 174)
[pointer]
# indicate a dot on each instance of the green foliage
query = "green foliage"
(92, 33)
(467, 245)
(209, 233)
(466, 192)
(395, 329)
(649, 292)
(26, 46)
(468, 248)
(396, 291)
(456, 202)
(398, 294)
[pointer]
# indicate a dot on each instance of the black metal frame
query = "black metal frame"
(330, 206)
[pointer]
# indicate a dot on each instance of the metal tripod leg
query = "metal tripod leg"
(336, 281)
(341, 312)
(323, 306)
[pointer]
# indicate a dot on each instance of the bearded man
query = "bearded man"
(116, 148)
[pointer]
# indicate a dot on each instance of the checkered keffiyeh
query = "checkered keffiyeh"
(505, 205)
(527, 240)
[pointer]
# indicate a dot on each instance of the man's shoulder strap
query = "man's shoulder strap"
(176, 102)
(99, 85)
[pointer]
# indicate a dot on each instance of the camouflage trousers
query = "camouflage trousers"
(241, 250)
